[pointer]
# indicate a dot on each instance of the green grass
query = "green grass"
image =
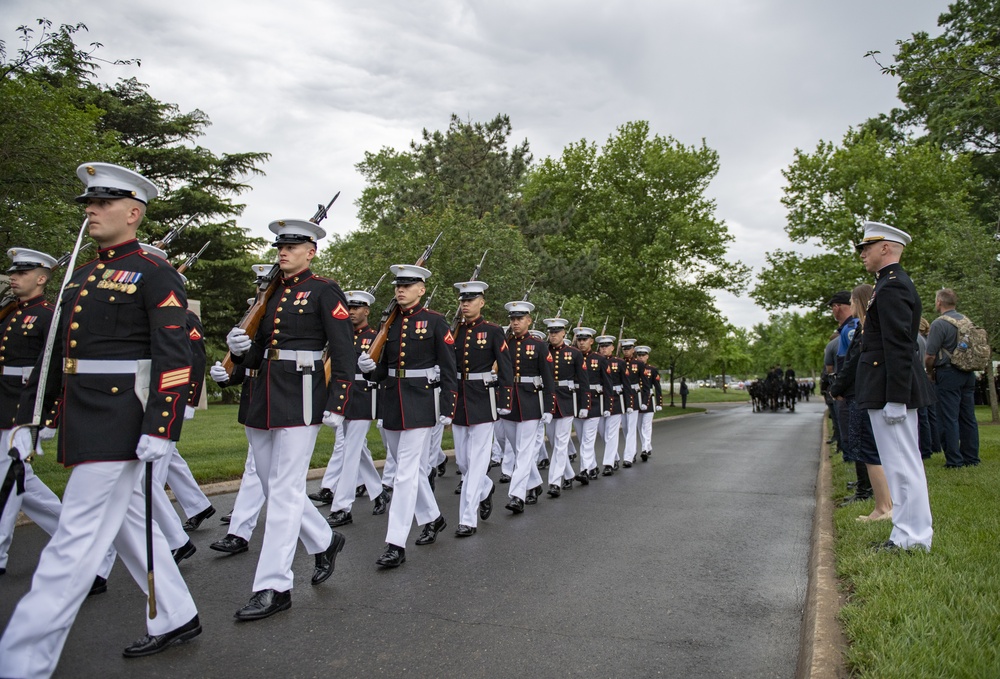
(215, 447)
(707, 395)
(926, 615)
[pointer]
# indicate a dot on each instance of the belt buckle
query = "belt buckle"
(272, 354)
(465, 375)
(400, 373)
(69, 366)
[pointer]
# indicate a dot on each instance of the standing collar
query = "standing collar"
(115, 251)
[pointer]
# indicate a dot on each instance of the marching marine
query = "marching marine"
(652, 395)
(571, 399)
(586, 426)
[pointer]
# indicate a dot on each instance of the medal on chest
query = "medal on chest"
(420, 327)
(302, 298)
(120, 281)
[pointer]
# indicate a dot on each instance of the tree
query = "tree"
(635, 213)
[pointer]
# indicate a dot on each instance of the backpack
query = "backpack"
(973, 349)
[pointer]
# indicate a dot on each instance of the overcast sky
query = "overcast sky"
(316, 83)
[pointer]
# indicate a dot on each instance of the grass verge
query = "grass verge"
(215, 447)
(926, 615)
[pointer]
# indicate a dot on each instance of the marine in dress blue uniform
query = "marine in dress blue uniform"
(651, 397)
(891, 383)
(600, 395)
(531, 399)
(634, 384)
(121, 371)
(291, 399)
(620, 402)
(571, 399)
(483, 392)
(416, 373)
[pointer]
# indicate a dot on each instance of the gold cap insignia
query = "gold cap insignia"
(91, 171)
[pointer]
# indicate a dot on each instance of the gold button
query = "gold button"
(78, 308)
(162, 430)
(875, 363)
(100, 266)
(273, 342)
(169, 399)
(402, 344)
(111, 298)
(74, 325)
(276, 331)
(114, 390)
(84, 293)
(300, 311)
(402, 353)
(284, 299)
(72, 343)
(287, 290)
(91, 279)
(341, 397)
(277, 320)
(278, 309)
(111, 253)
(166, 414)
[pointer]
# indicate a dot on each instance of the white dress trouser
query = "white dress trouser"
(437, 455)
(586, 432)
(409, 447)
(473, 443)
(541, 452)
(629, 426)
(282, 459)
(559, 434)
(187, 491)
(612, 429)
(37, 501)
(646, 430)
(389, 468)
(249, 500)
(335, 465)
(163, 510)
(353, 433)
(497, 450)
(521, 436)
(103, 504)
(899, 451)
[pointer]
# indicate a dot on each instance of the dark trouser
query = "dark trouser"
(957, 416)
(684, 400)
(844, 429)
(924, 432)
(835, 422)
(932, 418)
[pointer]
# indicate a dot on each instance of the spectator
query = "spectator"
(829, 363)
(928, 432)
(955, 388)
(684, 393)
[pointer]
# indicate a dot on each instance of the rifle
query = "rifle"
(427, 302)
(392, 310)
(475, 276)
(559, 310)
(604, 328)
(192, 259)
(8, 304)
(372, 289)
(621, 334)
(265, 288)
(579, 321)
(173, 234)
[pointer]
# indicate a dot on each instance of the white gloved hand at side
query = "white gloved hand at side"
(46, 433)
(606, 413)
(365, 363)
(894, 413)
(546, 418)
(151, 448)
(642, 407)
(444, 420)
(238, 341)
(582, 414)
(630, 410)
(332, 419)
(657, 409)
(188, 413)
(378, 424)
(218, 373)
(503, 411)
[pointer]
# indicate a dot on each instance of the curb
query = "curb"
(822, 640)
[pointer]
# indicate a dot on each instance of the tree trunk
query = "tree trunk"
(991, 390)
(673, 364)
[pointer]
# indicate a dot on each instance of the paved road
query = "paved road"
(692, 565)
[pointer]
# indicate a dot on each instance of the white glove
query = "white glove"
(152, 448)
(46, 434)
(188, 413)
(546, 418)
(657, 409)
(630, 410)
(503, 411)
(332, 419)
(444, 420)
(218, 373)
(365, 363)
(435, 375)
(642, 407)
(582, 414)
(238, 341)
(378, 424)
(22, 442)
(894, 413)
(606, 413)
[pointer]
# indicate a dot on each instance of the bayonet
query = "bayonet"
(321, 210)
(193, 258)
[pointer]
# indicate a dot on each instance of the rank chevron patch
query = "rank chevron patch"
(173, 378)
(340, 312)
(171, 300)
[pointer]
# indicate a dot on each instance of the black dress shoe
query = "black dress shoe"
(504, 479)
(392, 557)
(493, 463)
(442, 467)
(486, 506)
(264, 604)
(387, 489)
(515, 505)
(323, 496)
(851, 484)
(195, 521)
(360, 491)
(616, 465)
(381, 503)
(464, 531)
(100, 586)
(3, 571)
(543, 463)
(626, 464)
(226, 519)
(231, 544)
(851, 499)
(433, 475)
(567, 484)
(530, 498)
(644, 455)
(592, 473)
(608, 470)
(327, 561)
(185, 551)
(339, 518)
(458, 488)
(149, 645)
(429, 534)
(572, 458)
(583, 479)
(554, 491)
